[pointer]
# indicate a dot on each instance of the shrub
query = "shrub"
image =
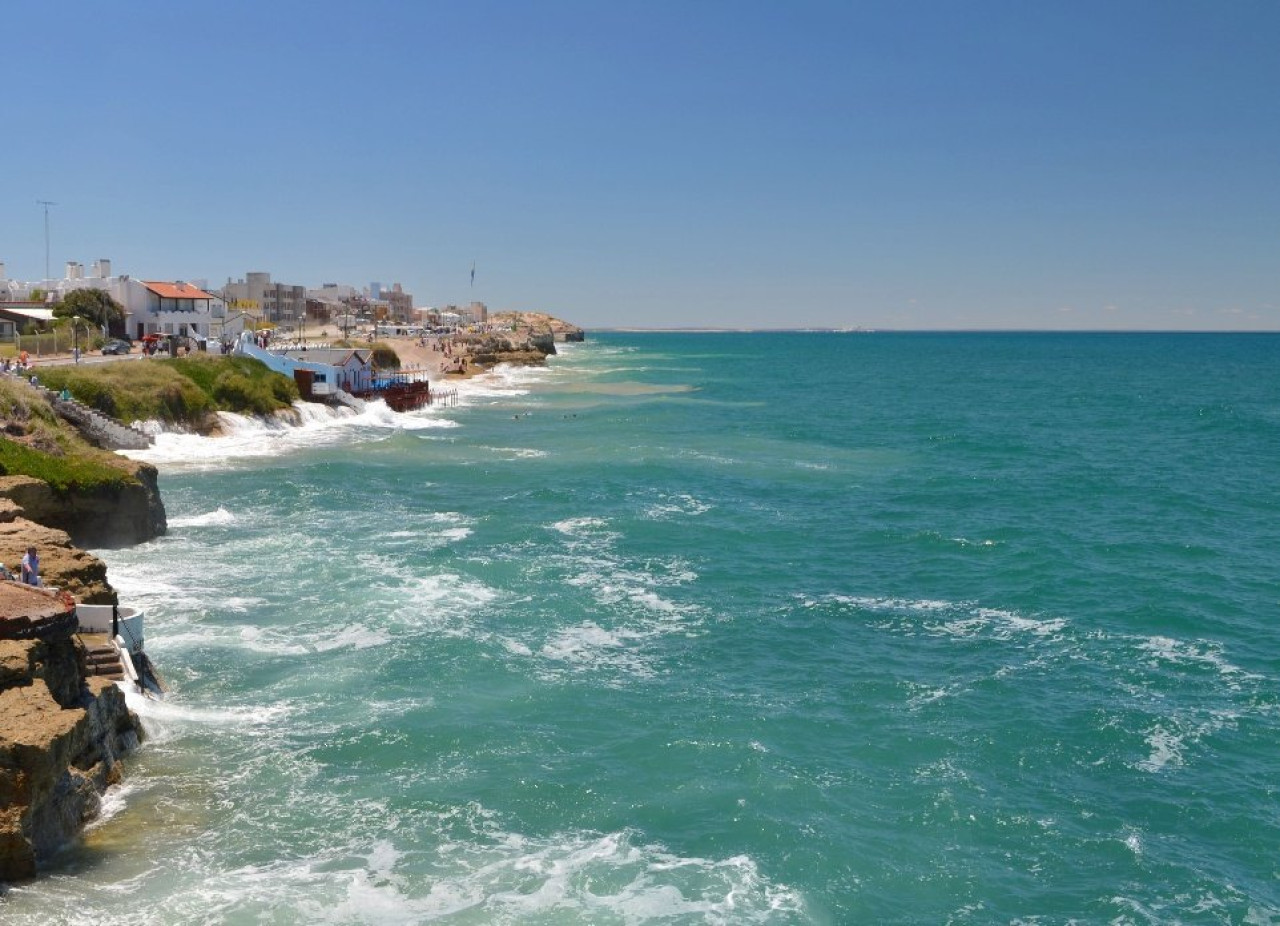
(385, 357)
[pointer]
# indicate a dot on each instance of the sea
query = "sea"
(718, 628)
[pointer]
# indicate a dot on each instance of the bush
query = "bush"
(385, 357)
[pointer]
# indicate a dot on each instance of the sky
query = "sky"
(917, 164)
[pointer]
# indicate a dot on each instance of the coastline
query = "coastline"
(48, 737)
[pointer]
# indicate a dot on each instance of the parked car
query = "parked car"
(117, 346)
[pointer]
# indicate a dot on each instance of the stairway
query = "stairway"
(98, 428)
(103, 660)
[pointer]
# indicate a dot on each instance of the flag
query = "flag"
(473, 273)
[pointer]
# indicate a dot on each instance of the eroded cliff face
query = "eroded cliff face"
(488, 350)
(61, 739)
(62, 565)
(111, 517)
(62, 733)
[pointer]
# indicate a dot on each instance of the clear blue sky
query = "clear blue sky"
(949, 164)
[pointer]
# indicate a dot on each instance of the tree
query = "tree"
(95, 306)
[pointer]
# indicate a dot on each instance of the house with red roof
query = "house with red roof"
(179, 308)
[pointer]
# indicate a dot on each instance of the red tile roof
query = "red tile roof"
(176, 290)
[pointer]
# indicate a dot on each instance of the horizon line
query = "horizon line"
(821, 329)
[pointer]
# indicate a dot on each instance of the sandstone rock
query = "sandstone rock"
(113, 516)
(54, 764)
(61, 564)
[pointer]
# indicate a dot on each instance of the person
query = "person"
(31, 567)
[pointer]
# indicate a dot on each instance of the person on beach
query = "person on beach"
(31, 567)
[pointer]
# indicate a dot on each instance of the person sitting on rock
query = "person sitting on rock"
(31, 567)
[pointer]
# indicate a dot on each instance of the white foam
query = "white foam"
(520, 453)
(164, 719)
(677, 506)
(115, 800)
(1200, 653)
(970, 620)
(579, 526)
(217, 518)
(346, 636)
(1166, 750)
(247, 438)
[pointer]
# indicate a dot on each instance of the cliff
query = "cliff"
(487, 350)
(107, 515)
(525, 323)
(61, 734)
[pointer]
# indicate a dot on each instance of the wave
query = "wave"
(217, 518)
(245, 438)
(1166, 698)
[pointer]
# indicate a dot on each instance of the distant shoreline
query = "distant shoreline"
(812, 330)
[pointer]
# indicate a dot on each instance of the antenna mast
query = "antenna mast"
(46, 203)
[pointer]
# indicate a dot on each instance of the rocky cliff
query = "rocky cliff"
(61, 737)
(487, 350)
(107, 516)
(61, 732)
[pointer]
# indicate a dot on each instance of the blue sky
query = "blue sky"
(965, 164)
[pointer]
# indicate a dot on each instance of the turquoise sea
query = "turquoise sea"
(720, 628)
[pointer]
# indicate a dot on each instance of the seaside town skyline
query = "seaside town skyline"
(925, 166)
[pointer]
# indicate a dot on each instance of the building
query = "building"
(168, 308)
(280, 304)
(154, 307)
(399, 304)
(19, 316)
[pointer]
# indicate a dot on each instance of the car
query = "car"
(117, 346)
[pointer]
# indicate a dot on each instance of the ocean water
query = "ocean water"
(720, 628)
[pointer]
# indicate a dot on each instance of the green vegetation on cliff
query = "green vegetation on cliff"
(64, 473)
(37, 443)
(185, 390)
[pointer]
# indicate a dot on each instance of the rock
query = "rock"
(61, 564)
(54, 764)
(60, 746)
(112, 516)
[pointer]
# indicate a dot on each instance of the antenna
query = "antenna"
(46, 203)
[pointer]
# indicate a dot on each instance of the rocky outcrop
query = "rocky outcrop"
(526, 323)
(56, 760)
(108, 517)
(62, 565)
(488, 350)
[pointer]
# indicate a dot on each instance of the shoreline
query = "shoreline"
(92, 712)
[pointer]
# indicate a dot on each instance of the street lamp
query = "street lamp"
(75, 334)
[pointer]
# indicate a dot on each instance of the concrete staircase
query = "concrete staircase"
(99, 429)
(103, 660)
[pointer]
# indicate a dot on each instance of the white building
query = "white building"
(179, 308)
(150, 307)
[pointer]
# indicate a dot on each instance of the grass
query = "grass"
(63, 473)
(185, 390)
(37, 443)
